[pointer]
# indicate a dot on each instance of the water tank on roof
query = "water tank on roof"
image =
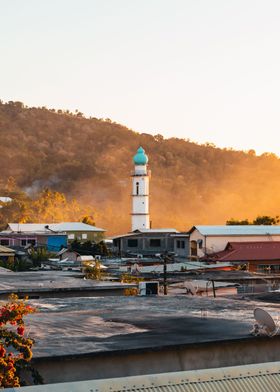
(148, 288)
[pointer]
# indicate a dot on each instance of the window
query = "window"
(180, 244)
(154, 242)
(137, 188)
(268, 268)
(200, 243)
(5, 242)
(71, 236)
(132, 243)
(28, 242)
(84, 236)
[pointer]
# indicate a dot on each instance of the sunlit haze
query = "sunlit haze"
(198, 69)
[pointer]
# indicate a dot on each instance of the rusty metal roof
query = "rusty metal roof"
(249, 251)
(249, 378)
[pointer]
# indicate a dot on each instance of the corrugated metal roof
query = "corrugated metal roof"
(59, 227)
(250, 378)
(238, 230)
(125, 235)
(4, 249)
(5, 199)
(251, 250)
(145, 231)
(157, 230)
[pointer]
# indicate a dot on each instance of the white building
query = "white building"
(140, 216)
(205, 240)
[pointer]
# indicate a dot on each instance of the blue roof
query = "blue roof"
(238, 230)
(140, 158)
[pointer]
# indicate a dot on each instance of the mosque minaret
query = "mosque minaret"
(140, 216)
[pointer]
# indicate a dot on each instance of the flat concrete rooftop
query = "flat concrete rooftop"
(103, 337)
(91, 326)
(26, 283)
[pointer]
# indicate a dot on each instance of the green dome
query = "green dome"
(140, 158)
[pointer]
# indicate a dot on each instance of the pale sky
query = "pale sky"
(208, 70)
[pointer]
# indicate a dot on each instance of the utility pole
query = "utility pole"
(213, 287)
(165, 259)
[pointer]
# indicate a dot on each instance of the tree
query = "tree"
(266, 220)
(93, 271)
(233, 222)
(259, 220)
(89, 220)
(11, 185)
(90, 248)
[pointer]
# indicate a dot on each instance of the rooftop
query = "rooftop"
(4, 251)
(42, 281)
(70, 326)
(168, 230)
(233, 378)
(246, 251)
(52, 227)
(225, 230)
(146, 231)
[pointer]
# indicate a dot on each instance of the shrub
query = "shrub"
(15, 347)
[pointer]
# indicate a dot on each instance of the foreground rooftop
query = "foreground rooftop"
(235, 378)
(82, 326)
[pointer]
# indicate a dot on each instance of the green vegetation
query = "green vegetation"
(259, 220)
(46, 206)
(127, 278)
(90, 160)
(38, 255)
(93, 271)
(90, 248)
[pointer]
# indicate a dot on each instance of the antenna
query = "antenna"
(265, 324)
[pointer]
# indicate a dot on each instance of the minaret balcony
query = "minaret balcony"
(139, 213)
(133, 174)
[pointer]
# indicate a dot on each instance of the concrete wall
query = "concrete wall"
(167, 243)
(140, 218)
(51, 242)
(33, 294)
(91, 236)
(200, 356)
(182, 252)
(55, 243)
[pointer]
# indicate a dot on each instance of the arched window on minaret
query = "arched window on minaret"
(137, 188)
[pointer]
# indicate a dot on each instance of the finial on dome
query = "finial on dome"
(140, 158)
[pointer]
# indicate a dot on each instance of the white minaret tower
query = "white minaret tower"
(140, 217)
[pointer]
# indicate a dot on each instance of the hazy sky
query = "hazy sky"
(208, 70)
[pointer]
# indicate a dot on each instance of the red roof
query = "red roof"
(246, 251)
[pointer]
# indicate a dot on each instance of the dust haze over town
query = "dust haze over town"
(90, 160)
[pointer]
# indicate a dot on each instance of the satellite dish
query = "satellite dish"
(265, 323)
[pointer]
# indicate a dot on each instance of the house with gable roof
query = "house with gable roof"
(206, 240)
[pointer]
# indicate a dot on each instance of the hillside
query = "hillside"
(91, 160)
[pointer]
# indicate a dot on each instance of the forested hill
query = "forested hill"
(91, 160)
